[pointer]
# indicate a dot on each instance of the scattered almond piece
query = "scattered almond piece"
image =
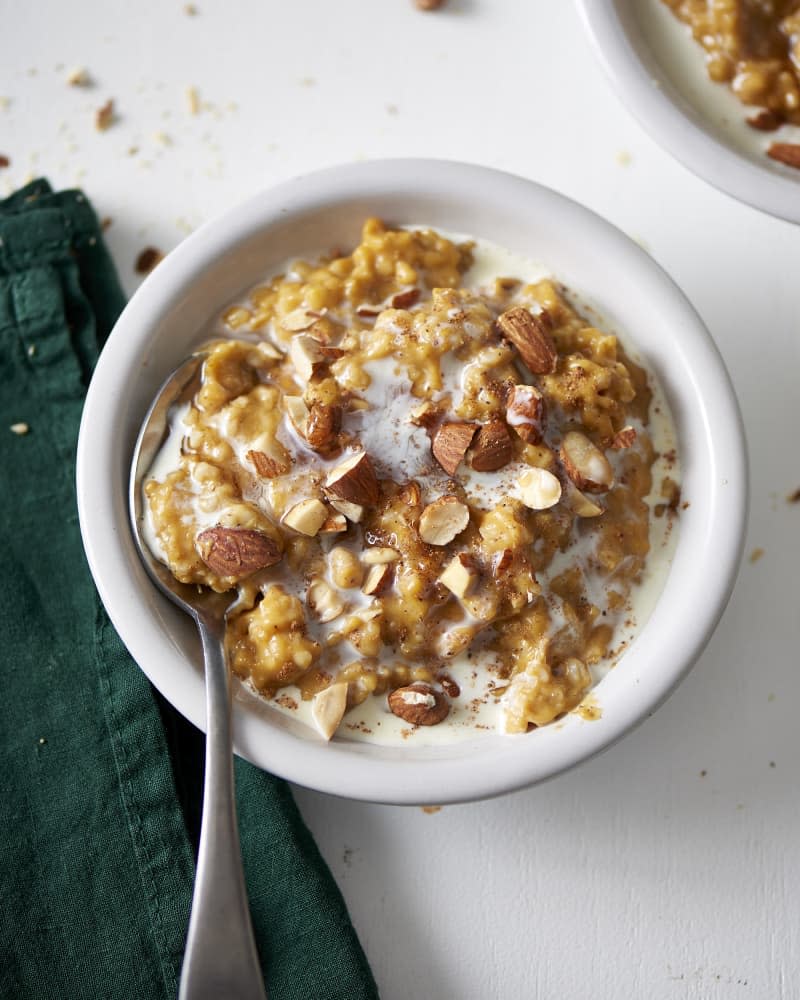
(354, 480)
(580, 504)
(525, 412)
(460, 574)
(306, 517)
(785, 152)
(307, 356)
(425, 415)
(20, 428)
(450, 444)
(79, 77)
(538, 489)
(4, 161)
(379, 554)
(324, 601)
(147, 260)
(585, 464)
(334, 524)
(442, 520)
(378, 579)
(237, 552)
(493, 447)
(765, 120)
(530, 334)
(756, 554)
(419, 704)
(328, 708)
(297, 411)
(323, 425)
(406, 299)
(623, 439)
(352, 511)
(104, 117)
(266, 465)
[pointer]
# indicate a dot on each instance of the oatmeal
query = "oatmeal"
(753, 46)
(433, 488)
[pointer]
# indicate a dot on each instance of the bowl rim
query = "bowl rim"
(678, 133)
(359, 770)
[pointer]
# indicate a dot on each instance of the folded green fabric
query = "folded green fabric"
(99, 782)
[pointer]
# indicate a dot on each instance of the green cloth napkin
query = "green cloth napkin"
(99, 783)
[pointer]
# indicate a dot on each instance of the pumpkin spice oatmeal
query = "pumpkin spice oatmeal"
(437, 492)
(753, 46)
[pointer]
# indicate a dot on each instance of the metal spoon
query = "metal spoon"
(221, 958)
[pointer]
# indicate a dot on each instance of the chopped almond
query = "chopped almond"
(323, 425)
(538, 489)
(785, 152)
(324, 601)
(530, 334)
(378, 579)
(442, 520)
(425, 415)
(623, 439)
(585, 464)
(328, 708)
(493, 447)
(299, 319)
(266, 465)
(419, 704)
(298, 412)
(765, 120)
(354, 480)
(460, 574)
(450, 444)
(580, 504)
(307, 356)
(104, 117)
(306, 517)
(352, 511)
(379, 554)
(406, 299)
(334, 524)
(525, 412)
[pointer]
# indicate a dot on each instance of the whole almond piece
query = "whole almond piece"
(419, 704)
(442, 520)
(237, 552)
(785, 152)
(354, 480)
(525, 412)
(450, 444)
(530, 334)
(585, 464)
(493, 447)
(266, 465)
(323, 425)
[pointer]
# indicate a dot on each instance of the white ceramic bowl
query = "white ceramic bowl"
(657, 71)
(158, 329)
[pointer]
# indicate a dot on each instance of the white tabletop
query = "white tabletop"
(668, 867)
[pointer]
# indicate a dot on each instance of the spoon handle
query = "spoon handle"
(221, 958)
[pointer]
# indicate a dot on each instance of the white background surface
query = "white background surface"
(668, 867)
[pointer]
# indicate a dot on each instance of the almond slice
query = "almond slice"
(538, 489)
(493, 447)
(299, 319)
(379, 554)
(585, 464)
(450, 444)
(525, 412)
(419, 704)
(237, 552)
(530, 334)
(328, 708)
(354, 480)
(266, 465)
(307, 356)
(460, 574)
(306, 517)
(352, 511)
(442, 520)
(324, 601)
(378, 579)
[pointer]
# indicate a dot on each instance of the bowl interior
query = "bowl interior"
(659, 72)
(168, 314)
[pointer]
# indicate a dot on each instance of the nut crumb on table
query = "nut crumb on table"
(388, 465)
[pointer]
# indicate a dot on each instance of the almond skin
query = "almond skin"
(266, 465)
(450, 444)
(785, 152)
(493, 447)
(419, 704)
(237, 552)
(405, 300)
(354, 480)
(530, 334)
(323, 425)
